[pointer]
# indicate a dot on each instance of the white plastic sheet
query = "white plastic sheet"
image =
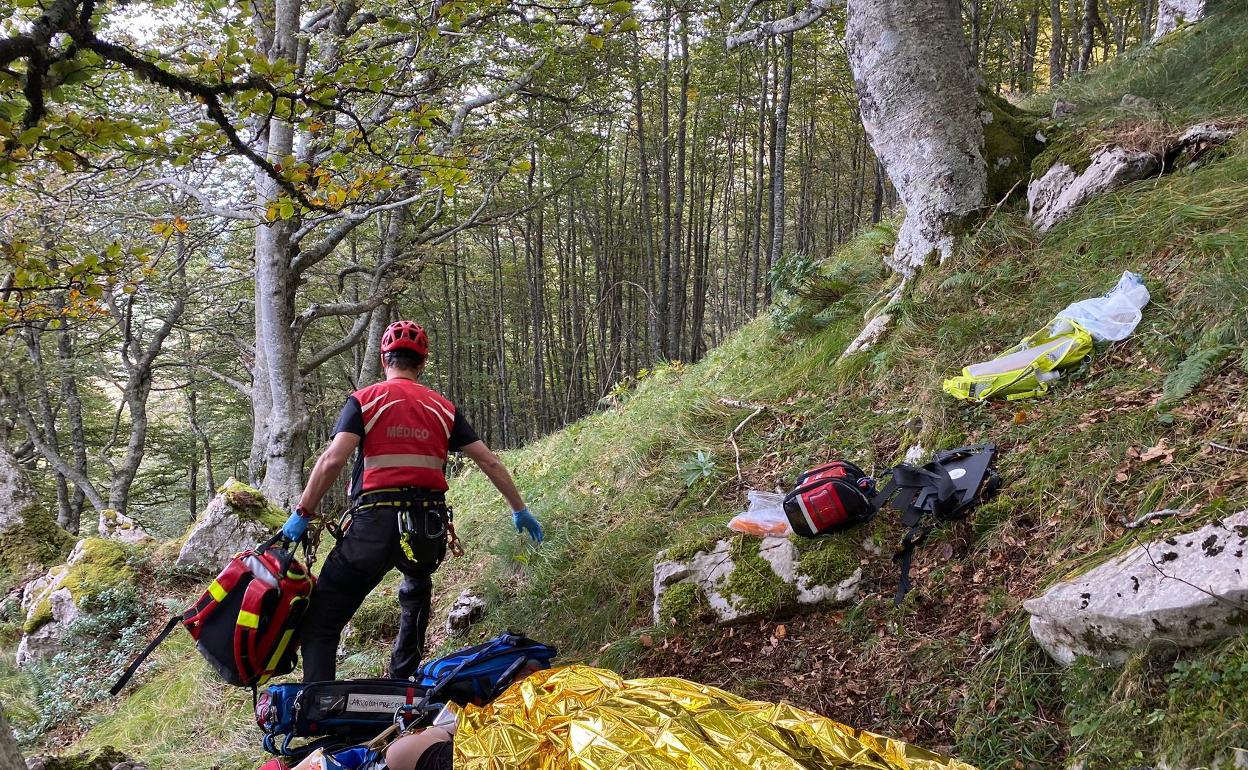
(1111, 317)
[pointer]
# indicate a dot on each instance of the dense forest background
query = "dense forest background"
(629, 192)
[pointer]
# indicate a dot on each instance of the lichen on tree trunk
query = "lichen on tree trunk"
(919, 104)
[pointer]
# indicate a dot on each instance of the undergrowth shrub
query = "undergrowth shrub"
(96, 645)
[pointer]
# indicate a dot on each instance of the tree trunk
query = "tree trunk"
(785, 88)
(1087, 38)
(1055, 43)
(51, 436)
(921, 111)
(73, 411)
(284, 417)
(1028, 79)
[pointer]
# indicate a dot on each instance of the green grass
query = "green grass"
(618, 486)
(180, 711)
(1198, 73)
(612, 489)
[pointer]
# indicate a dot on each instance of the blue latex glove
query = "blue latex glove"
(527, 522)
(295, 526)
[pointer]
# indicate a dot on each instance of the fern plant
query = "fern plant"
(1189, 374)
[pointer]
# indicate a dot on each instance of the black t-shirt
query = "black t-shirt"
(351, 420)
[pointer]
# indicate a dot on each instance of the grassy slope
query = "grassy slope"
(955, 667)
(967, 675)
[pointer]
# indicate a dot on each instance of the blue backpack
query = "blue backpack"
(478, 674)
(344, 712)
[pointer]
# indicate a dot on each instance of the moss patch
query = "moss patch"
(104, 564)
(698, 542)
(681, 604)
(1010, 145)
(105, 758)
(753, 586)
(38, 617)
(826, 561)
(1074, 147)
(251, 505)
(36, 542)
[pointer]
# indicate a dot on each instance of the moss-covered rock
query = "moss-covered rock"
(826, 561)
(105, 758)
(1073, 147)
(753, 586)
(250, 504)
(94, 566)
(31, 544)
(234, 520)
(97, 564)
(1011, 143)
(682, 605)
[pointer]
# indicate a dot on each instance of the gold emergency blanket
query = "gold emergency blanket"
(586, 718)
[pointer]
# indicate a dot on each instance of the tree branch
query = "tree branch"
(352, 339)
(199, 195)
(800, 20)
(316, 311)
(52, 456)
(481, 100)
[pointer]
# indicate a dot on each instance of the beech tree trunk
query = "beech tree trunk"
(917, 94)
(280, 416)
(785, 89)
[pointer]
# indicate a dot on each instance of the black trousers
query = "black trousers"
(369, 549)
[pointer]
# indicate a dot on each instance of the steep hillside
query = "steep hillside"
(669, 461)
(954, 667)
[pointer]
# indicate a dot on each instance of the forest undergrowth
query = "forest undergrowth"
(953, 668)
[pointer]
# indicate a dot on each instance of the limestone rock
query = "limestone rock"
(1063, 109)
(711, 569)
(1052, 197)
(233, 521)
(1185, 590)
(1172, 13)
(49, 611)
(467, 609)
(120, 527)
(1196, 141)
(1136, 103)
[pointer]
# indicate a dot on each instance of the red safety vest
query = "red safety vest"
(407, 431)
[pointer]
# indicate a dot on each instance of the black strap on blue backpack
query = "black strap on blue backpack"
(525, 650)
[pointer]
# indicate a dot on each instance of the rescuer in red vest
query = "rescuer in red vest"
(404, 431)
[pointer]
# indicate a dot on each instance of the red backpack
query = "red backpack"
(830, 498)
(247, 623)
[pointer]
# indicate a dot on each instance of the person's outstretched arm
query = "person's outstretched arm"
(496, 472)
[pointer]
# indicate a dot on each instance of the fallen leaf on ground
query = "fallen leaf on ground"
(1160, 451)
(646, 640)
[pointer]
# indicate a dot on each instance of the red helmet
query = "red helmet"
(405, 335)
